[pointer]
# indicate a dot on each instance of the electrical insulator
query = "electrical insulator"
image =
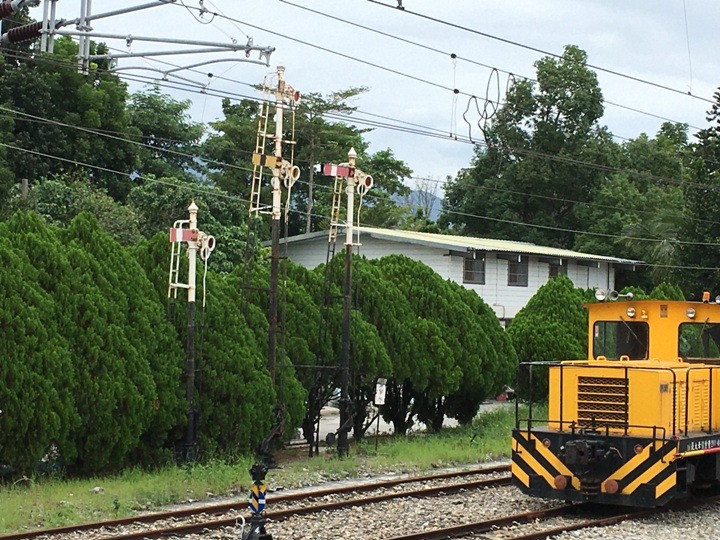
(6, 9)
(22, 33)
(11, 6)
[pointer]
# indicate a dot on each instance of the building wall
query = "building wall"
(504, 299)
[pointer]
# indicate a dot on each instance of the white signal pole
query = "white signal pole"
(363, 182)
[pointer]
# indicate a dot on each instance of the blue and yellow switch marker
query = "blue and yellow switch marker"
(257, 498)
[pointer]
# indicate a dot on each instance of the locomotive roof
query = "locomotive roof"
(655, 310)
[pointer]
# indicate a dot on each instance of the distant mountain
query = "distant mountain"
(421, 199)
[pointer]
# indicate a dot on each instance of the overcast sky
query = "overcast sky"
(672, 43)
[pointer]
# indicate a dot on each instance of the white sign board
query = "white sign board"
(380, 392)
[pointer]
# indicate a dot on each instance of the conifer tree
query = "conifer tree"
(118, 396)
(35, 393)
(551, 327)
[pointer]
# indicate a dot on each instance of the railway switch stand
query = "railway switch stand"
(257, 504)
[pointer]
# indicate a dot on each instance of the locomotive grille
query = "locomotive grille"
(604, 400)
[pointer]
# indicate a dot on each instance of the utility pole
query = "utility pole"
(356, 179)
(186, 231)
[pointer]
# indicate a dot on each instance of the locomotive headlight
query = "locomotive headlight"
(599, 295)
(690, 313)
(630, 312)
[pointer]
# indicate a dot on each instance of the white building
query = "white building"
(505, 274)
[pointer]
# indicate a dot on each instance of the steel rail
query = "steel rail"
(241, 505)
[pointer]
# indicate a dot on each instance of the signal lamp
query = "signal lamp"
(546, 443)
(638, 449)
(706, 296)
(560, 481)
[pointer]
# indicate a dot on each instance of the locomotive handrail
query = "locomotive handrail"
(586, 364)
(571, 424)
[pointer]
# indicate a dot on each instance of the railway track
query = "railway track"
(551, 522)
(502, 527)
(218, 516)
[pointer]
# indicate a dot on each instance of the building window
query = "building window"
(555, 270)
(518, 272)
(474, 271)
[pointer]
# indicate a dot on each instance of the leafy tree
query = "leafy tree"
(667, 291)
(57, 94)
(321, 141)
(529, 173)
(159, 203)
(122, 395)
(229, 147)
(235, 394)
(388, 174)
(472, 371)
(645, 203)
(702, 196)
(168, 134)
(60, 198)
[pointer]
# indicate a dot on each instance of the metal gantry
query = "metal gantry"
(52, 26)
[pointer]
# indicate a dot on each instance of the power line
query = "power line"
(470, 61)
(541, 51)
(417, 132)
(247, 170)
(245, 201)
(432, 132)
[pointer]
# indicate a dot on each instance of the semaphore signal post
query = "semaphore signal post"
(186, 232)
(355, 179)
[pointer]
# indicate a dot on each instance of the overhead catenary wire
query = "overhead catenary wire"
(493, 103)
(578, 162)
(371, 195)
(541, 51)
(246, 201)
(455, 56)
(431, 132)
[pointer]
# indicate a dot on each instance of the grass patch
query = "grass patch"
(52, 502)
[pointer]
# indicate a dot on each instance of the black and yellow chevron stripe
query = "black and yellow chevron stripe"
(645, 479)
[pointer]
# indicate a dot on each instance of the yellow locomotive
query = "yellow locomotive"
(637, 423)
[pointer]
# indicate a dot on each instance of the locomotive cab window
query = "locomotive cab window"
(699, 342)
(613, 339)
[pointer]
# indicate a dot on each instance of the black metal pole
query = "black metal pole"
(190, 432)
(342, 445)
(273, 310)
